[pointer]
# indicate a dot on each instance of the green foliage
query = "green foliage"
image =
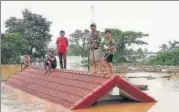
(166, 57)
(34, 29)
(12, 46)
(171, 46)
(75, 50)
(77, 43)
(123, 40)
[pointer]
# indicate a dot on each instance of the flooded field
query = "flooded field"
(165, 91)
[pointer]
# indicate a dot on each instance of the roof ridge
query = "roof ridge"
(93, 96)
(141, 96)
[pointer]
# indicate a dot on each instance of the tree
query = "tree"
(164, 47)
(146, 51)
(12, 46)
(124, 39)
(167, 57)
(34, 28)
(173, 44)
(78, 44)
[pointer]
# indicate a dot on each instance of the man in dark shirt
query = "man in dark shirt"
(50, 63)
(94, 42)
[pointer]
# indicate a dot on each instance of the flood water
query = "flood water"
(165, 91)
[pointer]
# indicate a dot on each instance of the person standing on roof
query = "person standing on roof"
(94, 42)
(110, 48)
(62, 44)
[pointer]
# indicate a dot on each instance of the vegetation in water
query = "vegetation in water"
(169, 55)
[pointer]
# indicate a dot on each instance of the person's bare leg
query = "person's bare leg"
(100, 68)
(46, 69)
(21, 66)
(49, 67)
(94, 63)
(99, 65)
(110, 68)
(95, 66)
(25, 66)
(104, 65)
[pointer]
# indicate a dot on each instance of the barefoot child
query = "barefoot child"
(109, 46)
(25, 62)
(50, 63)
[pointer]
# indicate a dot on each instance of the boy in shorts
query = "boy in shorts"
(109, 46)
(50, 63)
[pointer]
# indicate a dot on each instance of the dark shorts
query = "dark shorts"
(54, 65)
(109, 57)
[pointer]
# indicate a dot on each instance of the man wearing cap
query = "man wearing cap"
(94, 42)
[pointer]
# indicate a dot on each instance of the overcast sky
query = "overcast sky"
(159, 19)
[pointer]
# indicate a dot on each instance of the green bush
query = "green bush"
(166, 58)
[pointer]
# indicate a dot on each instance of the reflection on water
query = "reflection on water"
(166, 92)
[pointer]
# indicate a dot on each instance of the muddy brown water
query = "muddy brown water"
(165, 91)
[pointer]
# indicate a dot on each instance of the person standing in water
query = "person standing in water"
(62, 44)
(94, 42)
(110, 48)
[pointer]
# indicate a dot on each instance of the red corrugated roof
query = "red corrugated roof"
(71, 89)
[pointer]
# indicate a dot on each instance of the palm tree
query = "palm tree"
(173, 44)
(164, 47)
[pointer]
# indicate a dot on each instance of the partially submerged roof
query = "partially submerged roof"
(72, 89)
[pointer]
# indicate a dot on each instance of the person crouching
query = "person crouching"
(25, 62)
(50, 63)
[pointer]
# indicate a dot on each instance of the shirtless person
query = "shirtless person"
(25, 62)
(50, 63)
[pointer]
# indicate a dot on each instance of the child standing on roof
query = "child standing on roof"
(109, 46)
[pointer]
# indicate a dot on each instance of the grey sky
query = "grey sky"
(159, 19)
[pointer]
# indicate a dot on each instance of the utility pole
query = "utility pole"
(92, 21)
(92, 12)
